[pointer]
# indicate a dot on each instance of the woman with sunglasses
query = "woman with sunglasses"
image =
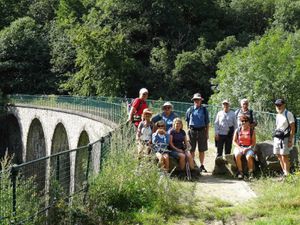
(244, 140)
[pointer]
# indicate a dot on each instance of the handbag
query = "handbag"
(136, 118)
(231, 131)
(279, 134)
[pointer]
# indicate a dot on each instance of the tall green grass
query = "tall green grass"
(129, 191)
(278, 202)
(27, 199)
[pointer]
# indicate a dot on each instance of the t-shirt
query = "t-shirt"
(281, 121)
(198, 118)
(139, 105)
(145, 131)
(167, 119)
(178, 138)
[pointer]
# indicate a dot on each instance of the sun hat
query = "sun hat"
(167, 104)
(197, 96)
(225, 101)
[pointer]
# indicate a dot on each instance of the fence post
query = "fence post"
(101, 150)
(14, 173)
(90, 148)
(57, 168)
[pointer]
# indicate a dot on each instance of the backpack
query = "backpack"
(191, 110)
(295, 119)
(129, 106)
(251, 119)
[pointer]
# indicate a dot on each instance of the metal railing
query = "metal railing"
(31, 191)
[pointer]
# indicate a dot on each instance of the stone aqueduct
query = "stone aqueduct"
(35, 132)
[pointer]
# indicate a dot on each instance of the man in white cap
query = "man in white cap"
(137, 107)
(167, 115)
(283, 135)
(197, 119)
(244, 110)
(225, 125)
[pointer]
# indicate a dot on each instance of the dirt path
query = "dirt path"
(228, 189)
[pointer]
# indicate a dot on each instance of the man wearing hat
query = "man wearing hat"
(167, 115)
(283, 135)
(198, 123)
(225, 125)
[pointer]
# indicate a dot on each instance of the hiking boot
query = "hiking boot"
(240, 175)
(202, 169)
(251, 176)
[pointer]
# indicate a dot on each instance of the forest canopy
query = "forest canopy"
(220, 48)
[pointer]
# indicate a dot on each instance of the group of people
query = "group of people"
(164, 133)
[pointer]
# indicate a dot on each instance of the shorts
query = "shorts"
(280, 147)
(174, 154)
(143, 148)
(237, 152)
(198, 137)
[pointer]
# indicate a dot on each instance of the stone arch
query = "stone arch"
(81, 160)
(36, 145)
(11, 138)
(60, 164)
(35, 149)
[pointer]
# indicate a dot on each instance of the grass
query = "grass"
(129, 191)
(277, 203)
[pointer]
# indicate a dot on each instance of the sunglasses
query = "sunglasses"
(145, 94)
(279, 105)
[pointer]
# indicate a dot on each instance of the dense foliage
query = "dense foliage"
(115, 47)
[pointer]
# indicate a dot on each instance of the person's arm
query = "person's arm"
(253, 141)
(292, 134)
(207, 125)
(138, 133)
(133, 109)
(217, 127)
(235, 140)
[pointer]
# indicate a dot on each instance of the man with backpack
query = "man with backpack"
(244, 110)
(283, 135)
(198, 123)
(137, 107)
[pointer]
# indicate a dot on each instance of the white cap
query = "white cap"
(143, 90)
(225, 101)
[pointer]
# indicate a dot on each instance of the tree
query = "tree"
(24, 59)
(268, 68)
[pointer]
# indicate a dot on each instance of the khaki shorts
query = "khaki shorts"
(280, 147)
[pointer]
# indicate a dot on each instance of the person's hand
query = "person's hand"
(216, 137)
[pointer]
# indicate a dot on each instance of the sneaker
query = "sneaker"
(240, 176)
(202, 169)
(251, 176)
